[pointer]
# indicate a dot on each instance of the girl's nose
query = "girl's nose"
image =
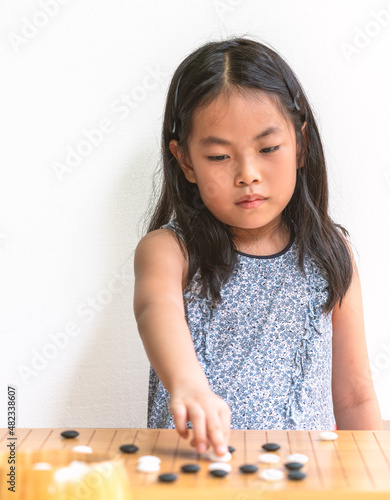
(247, 172)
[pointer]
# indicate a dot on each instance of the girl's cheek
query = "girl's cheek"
(211, 191)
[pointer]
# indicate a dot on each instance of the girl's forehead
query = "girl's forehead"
(238, 111)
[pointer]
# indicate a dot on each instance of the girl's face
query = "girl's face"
(242, 145)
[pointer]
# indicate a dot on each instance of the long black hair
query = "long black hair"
(245, 65)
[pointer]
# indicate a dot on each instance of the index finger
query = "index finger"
(198, 420)
(216, 434)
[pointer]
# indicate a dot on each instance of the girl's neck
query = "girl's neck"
(263, 241)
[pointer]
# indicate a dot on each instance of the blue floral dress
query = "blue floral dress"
(266, 348)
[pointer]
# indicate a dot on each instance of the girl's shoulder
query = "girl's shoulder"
(159, 256)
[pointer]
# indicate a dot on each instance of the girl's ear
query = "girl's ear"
(183, 160)
(300, 154)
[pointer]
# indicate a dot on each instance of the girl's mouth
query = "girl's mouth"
(251, 204)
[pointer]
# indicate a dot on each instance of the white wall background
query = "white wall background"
(67, 238)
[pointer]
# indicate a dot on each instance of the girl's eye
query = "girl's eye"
(217, 158)
(223, 157)
(269, 150)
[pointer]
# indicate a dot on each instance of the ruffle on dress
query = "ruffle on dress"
(316, 289)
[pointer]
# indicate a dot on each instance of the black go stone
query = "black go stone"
(248, 468)
(271, 446)
(69, 434)
(231, 449)
(128, 448)
(296, 475)
(167, 478)
(218, 473)
(190, 468)
(293, 465)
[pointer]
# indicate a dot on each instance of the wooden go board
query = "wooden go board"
(356, 465)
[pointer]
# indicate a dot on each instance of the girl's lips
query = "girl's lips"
(251, 204)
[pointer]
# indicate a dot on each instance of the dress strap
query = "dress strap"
(173, 225)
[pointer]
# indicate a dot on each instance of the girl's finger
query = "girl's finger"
(215, 434)
(179, 414)
(198, 419)
(193, 443)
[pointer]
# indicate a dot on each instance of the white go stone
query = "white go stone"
(42, 466)
(271, 474)
(328, 436)
(149, 459)
(268, 458)
(78, 463)
(148, 466)
(70, 473)
(82, 449)
(224, 458)
(297, 457)
(220, 466)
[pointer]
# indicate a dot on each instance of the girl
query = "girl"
(247, 297)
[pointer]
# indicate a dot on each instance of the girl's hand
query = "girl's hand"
(209, 415)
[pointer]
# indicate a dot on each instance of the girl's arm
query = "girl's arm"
(354, 399)
(159, 311)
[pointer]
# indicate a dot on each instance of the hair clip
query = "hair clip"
(295, 101)
(175, 104)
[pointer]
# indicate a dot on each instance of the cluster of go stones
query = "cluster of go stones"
(219, 466)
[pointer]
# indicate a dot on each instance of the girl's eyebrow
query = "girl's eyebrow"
(211, 139)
